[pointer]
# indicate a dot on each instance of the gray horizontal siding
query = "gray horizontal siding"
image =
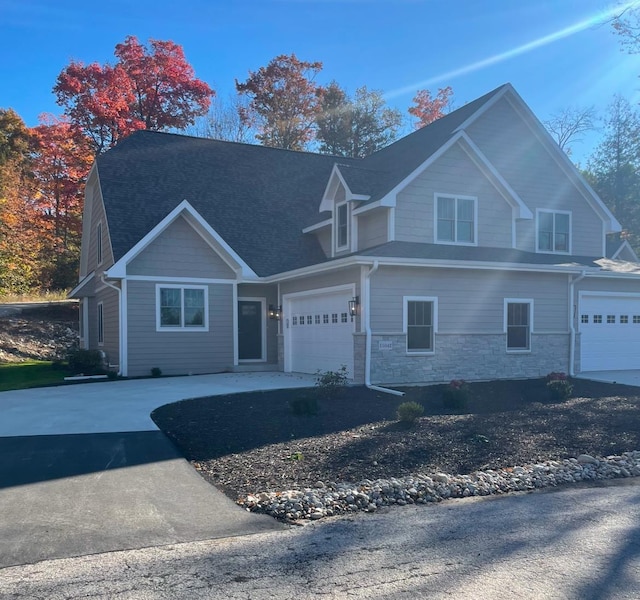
(98, 216)
(324, 237)
(323, 280)
(452, 173)
(532, 172)
(176, 352)
(468, 301)
(110, 313)
(179, 251)
(373, 228)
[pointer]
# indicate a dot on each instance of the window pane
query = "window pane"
(545, 222)
(194, 308)
(518, 328)
(419, 338)
(518, 338)
(446, 208)
(465, 210)
(446, 230)
(465, 232)
(562, 223)
(342, 225)
(420, 325)
(561, 242)
(170, 307)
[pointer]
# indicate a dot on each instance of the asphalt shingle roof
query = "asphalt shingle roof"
(257, 198)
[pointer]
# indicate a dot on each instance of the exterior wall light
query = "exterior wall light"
(354, 305)
(275, 312)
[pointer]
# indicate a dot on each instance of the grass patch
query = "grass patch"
(33, 373)
(35, 296)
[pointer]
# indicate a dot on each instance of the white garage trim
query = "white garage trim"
(290, 300)
(609, 325)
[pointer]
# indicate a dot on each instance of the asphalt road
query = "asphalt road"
(577, 543)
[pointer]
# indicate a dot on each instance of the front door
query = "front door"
(250, 317)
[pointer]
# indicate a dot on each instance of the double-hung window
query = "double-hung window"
(100, 311)
(420, 316)
(342, 226)
(518, 324)
(181, 308)
(554, 231)
(456, 219)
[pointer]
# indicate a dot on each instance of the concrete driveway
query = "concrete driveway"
(85, 470)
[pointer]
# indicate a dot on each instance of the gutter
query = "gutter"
(120, 337)
(367, 329)
(572, 329)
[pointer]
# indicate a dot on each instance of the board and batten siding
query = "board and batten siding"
(178, 352)
(469, 301)
(454, 173)
(179, 249)
(270, 294)
(536, 177)
(98, 215)
(373, 228)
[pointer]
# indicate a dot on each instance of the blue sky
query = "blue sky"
(557, 53)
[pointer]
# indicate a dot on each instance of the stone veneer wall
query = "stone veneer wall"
(359, 350)
(470, 357)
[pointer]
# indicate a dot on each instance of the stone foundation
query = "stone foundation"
(471, 357)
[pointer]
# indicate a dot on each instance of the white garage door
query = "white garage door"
(320, 333)
(610, 332)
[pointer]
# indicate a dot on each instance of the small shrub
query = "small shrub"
(296, 456)
(409, 412)
(156, 372)
(331, 383)
(304, 405)
(456, 395)
(559, 387)
(86, 362)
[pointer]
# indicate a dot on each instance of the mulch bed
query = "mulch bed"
(248, 443)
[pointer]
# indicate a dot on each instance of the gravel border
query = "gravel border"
(326, 500)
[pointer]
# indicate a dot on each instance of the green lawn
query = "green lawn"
(34, 373)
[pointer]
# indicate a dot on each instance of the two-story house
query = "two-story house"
(471, 248)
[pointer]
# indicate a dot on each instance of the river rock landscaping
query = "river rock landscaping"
(354, 455)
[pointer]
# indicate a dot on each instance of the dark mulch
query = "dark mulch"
(246, 443)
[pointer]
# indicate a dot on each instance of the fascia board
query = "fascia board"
(316, 226)
(80, 285)
(119, 269)
(327, 198)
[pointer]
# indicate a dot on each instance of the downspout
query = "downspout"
(572, 329)
(120, 336)
(367, 330)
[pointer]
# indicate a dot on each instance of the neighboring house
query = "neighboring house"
(471, 248)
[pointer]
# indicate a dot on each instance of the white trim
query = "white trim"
(234, 319)
(624, 245)
(263, 332)
(485, 107)
(124, 329)
(118, 270)
(405, 323)
(455, 197)
(506, 302)
(100, 323)
(628, 295)
(370, 206)
(328, 196)
(162, 278)
(286, 304)
(182, 328)
(316, 226)
(553, 212)
(353, 238)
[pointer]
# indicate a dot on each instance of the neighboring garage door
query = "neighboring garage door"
(610, 332)
(320, 332)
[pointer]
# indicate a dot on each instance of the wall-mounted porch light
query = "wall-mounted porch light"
(354, 305)
(275, 312)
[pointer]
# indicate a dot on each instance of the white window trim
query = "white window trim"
(336, 234)
(435, 219)
(553, 212)
(405, 323)
(99, 248)
(191, 329)
(508, 301)
(100, 324)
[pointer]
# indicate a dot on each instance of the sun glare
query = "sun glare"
(595, 19)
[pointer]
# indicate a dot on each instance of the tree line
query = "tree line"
(43, 169)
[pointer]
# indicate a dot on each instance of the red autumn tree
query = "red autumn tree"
(284, 101)
(427, 108)
(147, 88)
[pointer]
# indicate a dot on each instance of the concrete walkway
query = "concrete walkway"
(85, 470)
(623, 377)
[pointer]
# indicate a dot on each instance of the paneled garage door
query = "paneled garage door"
(320, 332)
(610, 332)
